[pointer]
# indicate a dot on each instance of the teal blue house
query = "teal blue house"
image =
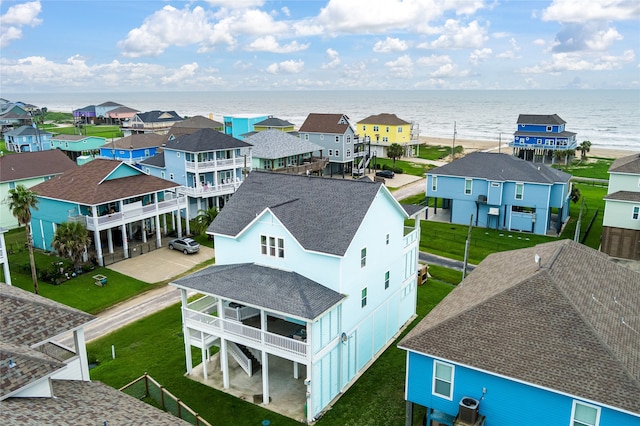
(314, 278)
(239, 124)
(27, 139)
(78, 145)
(117, 202)
(501, 192)
(546, 335)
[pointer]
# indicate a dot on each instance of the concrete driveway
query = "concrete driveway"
(161, 264)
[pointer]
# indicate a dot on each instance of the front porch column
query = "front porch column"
(158, 234)
(203, 350)
(125, 241)
(224, 363)
(186, 215)
(179, 219)
(143, 223)
(265, 377)
(295, 370)
(110, 240)
(81, 351)
(97, 242)
(185, 331)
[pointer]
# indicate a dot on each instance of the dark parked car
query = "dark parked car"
(385, 174)
(185, 245)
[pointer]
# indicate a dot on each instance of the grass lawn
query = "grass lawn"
(79, 292)
(436, 152)
(155, 345)
(91, 130)
(407, 166)
(591, 167)
(593, 210)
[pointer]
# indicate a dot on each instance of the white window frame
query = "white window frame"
(635, 212)
(400, 129)
(348, 153)
(450, 381)
(272, 246)
(575, 422)
(337, 153)
(549, 128)
(376, 128)
(337, 139)
(330, 152)
(515, 195)
(363, 257)
(470, 190)
(434, 183)
(364, 127)
(363, 297)
(171, 176)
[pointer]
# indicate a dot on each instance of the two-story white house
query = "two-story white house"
(315, 273)
(621, 222)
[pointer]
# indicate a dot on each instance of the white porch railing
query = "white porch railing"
(243, 361)
(410, 238)
(240, 314)
(206, 191)
(246, 335)
(216, 164)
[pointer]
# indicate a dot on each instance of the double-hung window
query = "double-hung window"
(434, 183)
(363, 257)
(584, 414)
(636, 213)
(386, 280)
(363, 300)
(272, 246)
(519, 191)
(443, 379)
(468, 183)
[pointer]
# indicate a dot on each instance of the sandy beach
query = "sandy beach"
(474, 145)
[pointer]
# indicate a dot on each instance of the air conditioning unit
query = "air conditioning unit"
(468, 411)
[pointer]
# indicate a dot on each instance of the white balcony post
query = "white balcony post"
(224, 363)
(185, 330)
(81, 351)
(203, 351)
(265, 377)
(125, 242)
(158, 234)
(109, 239)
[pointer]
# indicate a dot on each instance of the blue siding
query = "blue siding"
(505, 402)
(42, 220)
(124, 171)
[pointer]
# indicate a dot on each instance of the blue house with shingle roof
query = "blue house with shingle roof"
(501, 192)
(209, 164)
(151, 122)
(546, 335)
(27, 139)
(314, 277)
(539, 137)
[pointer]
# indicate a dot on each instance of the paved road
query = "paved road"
(432, 259)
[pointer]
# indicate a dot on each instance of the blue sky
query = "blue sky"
(147, 45)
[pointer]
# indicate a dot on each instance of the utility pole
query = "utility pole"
(466, 248)
(453, 146)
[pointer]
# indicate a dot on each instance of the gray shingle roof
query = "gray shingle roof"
(155, 116)
(84, 403)
(543, 134)
(26, 131)
(628, 164)
(25, 165)
(27, 321)
(569, 324)
(540, 119)
(272, 144)
(273, 122)
(156, 161)
(205, 140)
(322, 214)
(624, 196)
(501, 167)
(197, 122)
(259, 286)
(384, 119)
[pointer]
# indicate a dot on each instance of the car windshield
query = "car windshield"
(192, 243)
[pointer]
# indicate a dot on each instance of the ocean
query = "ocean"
(608, 118)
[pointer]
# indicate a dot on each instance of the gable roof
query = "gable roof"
(30, 320)
(272, 144)
(569, 323)
(205, 140)
(384, 119)
(501, 167)
(26, 131)
(322, 214)
(540, 119)
(155, 161)
(273, 122)
(121, 110)
(136, 140)
(633, 196)
(25, 165)
(156, 116)
(628, 164)
(198, 122)
(282, 291)
(95, 188)
(325, 123)
(110, 104)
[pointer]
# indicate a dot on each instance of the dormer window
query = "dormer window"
(549, 128)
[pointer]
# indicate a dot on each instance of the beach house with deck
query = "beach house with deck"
(314, 277)
(539, 137)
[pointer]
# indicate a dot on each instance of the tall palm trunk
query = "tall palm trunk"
(32, 260)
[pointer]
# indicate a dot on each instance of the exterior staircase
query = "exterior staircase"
(244, 357)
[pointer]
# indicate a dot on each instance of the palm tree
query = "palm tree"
(394, 152)
(205, 218)
(21, 200)
(71, 240)
(584, 147)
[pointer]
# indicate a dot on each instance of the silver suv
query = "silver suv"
(186, 245)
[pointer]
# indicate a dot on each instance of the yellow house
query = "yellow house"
(382, 130)
(273, 123)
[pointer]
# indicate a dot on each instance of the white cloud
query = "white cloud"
(575, 61)
(456, 36)
(270, 44)
(333, 58)
(236, 4)
(539, 42)
(181, 74)
(480, 55)
(589, 36)
(448, 71)
(390, 45)
(18, 16)
(286, 67)
(595, 10)
(603, 39)
(511, 53)
(401, 67)
(434, 60)
(285, 10)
